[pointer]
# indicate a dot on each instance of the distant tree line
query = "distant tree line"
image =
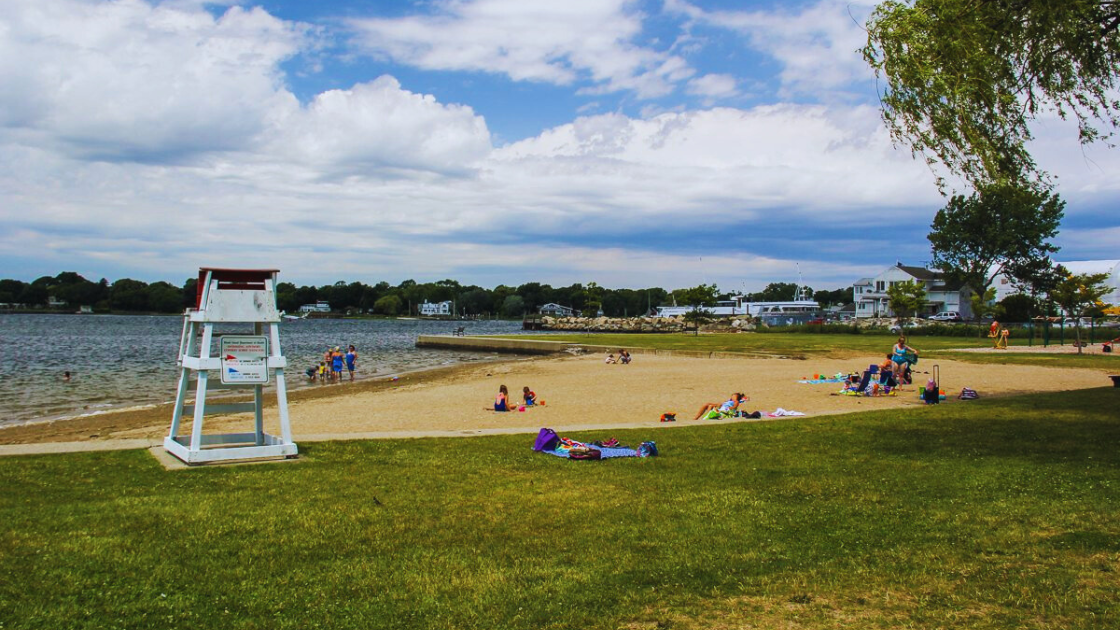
(69, 291)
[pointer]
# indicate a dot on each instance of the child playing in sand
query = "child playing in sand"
(501, 403)
(529, 395)
(726, 407)
(610, 358)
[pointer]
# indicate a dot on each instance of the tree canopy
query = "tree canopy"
(964, 78)
(1076, 293)
(906, 298)
(1000, 228)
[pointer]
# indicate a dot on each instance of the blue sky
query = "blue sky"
(633, 144)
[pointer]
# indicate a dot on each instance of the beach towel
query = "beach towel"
(562, 447)
(815, 381)
(782, 413)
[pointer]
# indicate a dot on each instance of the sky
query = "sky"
(629, 143)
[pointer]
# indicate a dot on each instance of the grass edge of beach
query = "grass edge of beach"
(998, 513)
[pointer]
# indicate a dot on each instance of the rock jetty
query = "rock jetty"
(636, 324)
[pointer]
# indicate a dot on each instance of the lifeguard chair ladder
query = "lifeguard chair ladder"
(231, 296)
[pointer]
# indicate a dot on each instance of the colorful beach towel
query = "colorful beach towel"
(816, 381)
(548, 442)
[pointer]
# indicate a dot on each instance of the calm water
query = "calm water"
(125, 361)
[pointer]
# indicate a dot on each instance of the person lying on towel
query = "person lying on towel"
(725, 407)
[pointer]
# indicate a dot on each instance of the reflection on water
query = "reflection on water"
(119, 360)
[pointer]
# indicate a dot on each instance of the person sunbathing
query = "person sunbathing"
(726, 406)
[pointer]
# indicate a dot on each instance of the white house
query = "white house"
(1004, 286)
(433, 310)
(318, 307)
(870, 294)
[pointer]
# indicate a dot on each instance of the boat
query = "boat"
(799, 310)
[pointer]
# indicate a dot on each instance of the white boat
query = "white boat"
(737, 306)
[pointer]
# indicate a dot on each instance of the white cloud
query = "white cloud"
(816, 46)
(556, 41)
(129, 80)
(155, 139)
(379, 126)
(714, 86)
(723, 163)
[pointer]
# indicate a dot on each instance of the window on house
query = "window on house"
(880, 285)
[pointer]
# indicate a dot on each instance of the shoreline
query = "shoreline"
(92, 426)
(580, 392)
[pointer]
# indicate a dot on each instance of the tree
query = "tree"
(387, 305)
(164, 297)
(906, 298)
(1017, 307)
(836, 296)
(127, 294)
(964, 78)
(593, 300)
(999, 228)
(1078, 293)
(776, 292)
(475, 301)
(10, 290)
(983, 305)
(697, 297)
(513, 306)
(697, 317)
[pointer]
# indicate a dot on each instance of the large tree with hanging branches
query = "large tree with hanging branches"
(963, 79)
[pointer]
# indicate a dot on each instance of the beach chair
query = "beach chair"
(866, 380)
(458, 332)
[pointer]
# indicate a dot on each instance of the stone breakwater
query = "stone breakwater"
(637, 324)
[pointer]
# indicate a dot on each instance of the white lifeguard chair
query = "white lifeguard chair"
(243, 361)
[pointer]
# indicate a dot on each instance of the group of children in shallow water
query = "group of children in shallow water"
(503, 402)
(330, 368)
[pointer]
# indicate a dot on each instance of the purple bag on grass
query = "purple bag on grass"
(546, 440)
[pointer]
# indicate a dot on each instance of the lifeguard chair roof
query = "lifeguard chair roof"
(233, 279)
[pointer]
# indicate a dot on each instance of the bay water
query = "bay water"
(121, 361)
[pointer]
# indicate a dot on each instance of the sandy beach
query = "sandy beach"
(579, 393)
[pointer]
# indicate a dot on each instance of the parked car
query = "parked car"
(1070, 322)
(946, 316)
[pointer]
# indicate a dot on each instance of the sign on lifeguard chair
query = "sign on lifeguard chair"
(244, 299)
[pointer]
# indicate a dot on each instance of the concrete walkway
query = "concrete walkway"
(49, 448)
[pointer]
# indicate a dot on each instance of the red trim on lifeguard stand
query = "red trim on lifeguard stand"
(233, 279)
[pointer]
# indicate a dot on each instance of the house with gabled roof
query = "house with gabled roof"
(556, 310)
(871, 300)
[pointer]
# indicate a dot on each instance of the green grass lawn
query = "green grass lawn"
(999, 513)
(831, 345)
